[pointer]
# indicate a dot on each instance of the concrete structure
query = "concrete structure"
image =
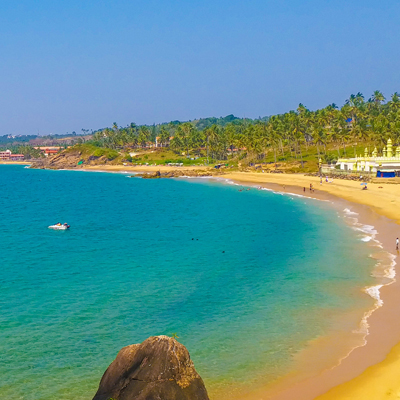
(5, 155)
(17, 157)
(385, 165)
(9, 156)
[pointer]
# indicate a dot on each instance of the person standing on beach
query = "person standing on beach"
(397, 243)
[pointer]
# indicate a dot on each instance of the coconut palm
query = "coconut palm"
(378, 98)
(164, 136)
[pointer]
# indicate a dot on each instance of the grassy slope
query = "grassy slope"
(286, 161)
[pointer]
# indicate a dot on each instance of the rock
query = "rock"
(181, 172)
(160, 368)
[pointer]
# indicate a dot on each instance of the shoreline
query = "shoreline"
(376, 206)
(383, 330)
(359, 374)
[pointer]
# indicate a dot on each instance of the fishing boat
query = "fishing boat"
(59, 227)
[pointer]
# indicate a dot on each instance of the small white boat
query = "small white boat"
(59, 227)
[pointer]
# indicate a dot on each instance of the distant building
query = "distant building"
(8, 156)
(385, 166)
(48, 151)
(159, 144)
(17, 157)
(5, 155)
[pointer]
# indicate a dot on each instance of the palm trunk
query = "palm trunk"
(301, 157)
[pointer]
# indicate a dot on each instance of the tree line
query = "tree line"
(358, 120)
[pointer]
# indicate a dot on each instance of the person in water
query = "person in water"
(397, 243)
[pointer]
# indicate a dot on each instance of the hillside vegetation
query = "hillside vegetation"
(300, 137)
(294, 141)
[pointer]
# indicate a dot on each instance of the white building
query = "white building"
(386, 165)
(5, 155)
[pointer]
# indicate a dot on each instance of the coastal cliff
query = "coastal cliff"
(78, 157)
(158, 368)
(84, 157)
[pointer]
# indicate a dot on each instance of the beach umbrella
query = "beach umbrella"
(364, 184)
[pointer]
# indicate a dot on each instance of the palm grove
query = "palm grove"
(292, 133)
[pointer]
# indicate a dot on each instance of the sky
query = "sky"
(72, 65)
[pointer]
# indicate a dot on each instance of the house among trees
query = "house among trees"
(48, 151)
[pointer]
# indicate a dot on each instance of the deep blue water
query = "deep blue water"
(245, 279)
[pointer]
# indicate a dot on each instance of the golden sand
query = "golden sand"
(382, 380)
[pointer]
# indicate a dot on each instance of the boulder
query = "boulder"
(160, 368)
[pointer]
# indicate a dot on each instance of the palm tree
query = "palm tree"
(184, 132)
(164, 136)
(394, 104)
(144, 136)
(378, 98)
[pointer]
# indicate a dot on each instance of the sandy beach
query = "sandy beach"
(369, 371)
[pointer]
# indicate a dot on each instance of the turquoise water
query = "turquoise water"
(245, 279)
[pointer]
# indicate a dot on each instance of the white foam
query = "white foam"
(366, 238)
(349, 212)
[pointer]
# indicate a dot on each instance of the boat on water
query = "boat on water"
(60, 227)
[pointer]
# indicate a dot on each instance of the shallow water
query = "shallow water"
(245, 279)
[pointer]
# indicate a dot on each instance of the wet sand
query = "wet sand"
(371, 371)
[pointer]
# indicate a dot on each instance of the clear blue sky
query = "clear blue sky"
(68, 65)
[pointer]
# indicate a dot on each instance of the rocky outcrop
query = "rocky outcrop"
(69, 160)
(178, 173)
(160, 368)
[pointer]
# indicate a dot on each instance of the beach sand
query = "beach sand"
(371, 371)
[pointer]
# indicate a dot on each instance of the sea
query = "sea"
(245, 278)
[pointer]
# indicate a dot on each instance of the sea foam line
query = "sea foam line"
(388, 272)
(278, 192)
(372, 291)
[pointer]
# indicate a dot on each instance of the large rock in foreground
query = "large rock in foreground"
(160, 368)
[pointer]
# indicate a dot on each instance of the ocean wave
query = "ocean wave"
(349, 212)
(374, 292)
(366, 238)
(389, 272)
(384, 269)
